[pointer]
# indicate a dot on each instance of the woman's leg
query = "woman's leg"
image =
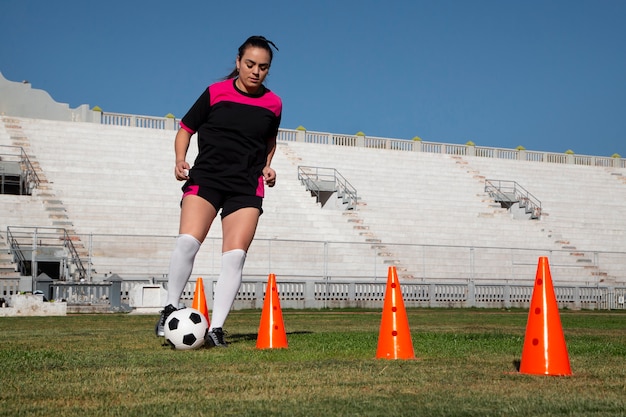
(196, 218)
(181, 265)
(238, 231)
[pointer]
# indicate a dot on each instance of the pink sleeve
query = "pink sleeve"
(182, 126)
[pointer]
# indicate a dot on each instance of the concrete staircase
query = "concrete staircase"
(433, 199)
(582, 209)
(44, 194)
(117, 181)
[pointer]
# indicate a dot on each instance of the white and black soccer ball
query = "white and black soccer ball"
(185, 329)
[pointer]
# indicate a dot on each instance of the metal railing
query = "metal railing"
(17, 254)
(104, 294)
(115, 294)
(29, 245)
(319, 274)
(147, 257)
(509, 192)
(132, 120)
(318, 180)
(29, 180)
(324, 138)
(363, 294)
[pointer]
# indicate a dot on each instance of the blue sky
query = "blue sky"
(548, 75)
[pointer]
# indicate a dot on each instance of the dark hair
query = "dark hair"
(253, 41)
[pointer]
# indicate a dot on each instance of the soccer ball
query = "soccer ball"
(185, 329)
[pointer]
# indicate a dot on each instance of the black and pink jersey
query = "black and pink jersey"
(233, 130)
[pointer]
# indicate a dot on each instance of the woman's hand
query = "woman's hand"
(269, 175)
(181, 171)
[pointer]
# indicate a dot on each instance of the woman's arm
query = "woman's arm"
(268, 173)
(181, 145)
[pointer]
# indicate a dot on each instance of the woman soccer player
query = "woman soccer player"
(237, 122)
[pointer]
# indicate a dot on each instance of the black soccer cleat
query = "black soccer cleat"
(215, 338)
(159, 329)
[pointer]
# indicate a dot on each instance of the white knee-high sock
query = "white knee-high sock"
(181, 266)
(227, 285)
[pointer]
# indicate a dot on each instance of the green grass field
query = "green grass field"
(113, 365)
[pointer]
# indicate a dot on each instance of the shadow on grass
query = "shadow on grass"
(247, 337)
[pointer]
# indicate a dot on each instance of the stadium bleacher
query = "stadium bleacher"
(111, 190)
(116, 180)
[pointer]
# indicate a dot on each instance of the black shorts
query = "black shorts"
(228, 202)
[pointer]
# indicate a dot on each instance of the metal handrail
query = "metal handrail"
(18, 154)
(311, 177)
(512, 192)
(32, 179)
(75, 257)
(16, 252)
(18, 237)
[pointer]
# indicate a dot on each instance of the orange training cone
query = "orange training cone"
(272, 333)
(394, 340)
(544, 352)
(199, 300)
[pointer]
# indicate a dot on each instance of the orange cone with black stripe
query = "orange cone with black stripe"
(544, 352)
(199, 300)
(272, 333)
(394, 339)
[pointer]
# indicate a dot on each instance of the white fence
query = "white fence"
(322, 138)
(115, 295)
(147, 257)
